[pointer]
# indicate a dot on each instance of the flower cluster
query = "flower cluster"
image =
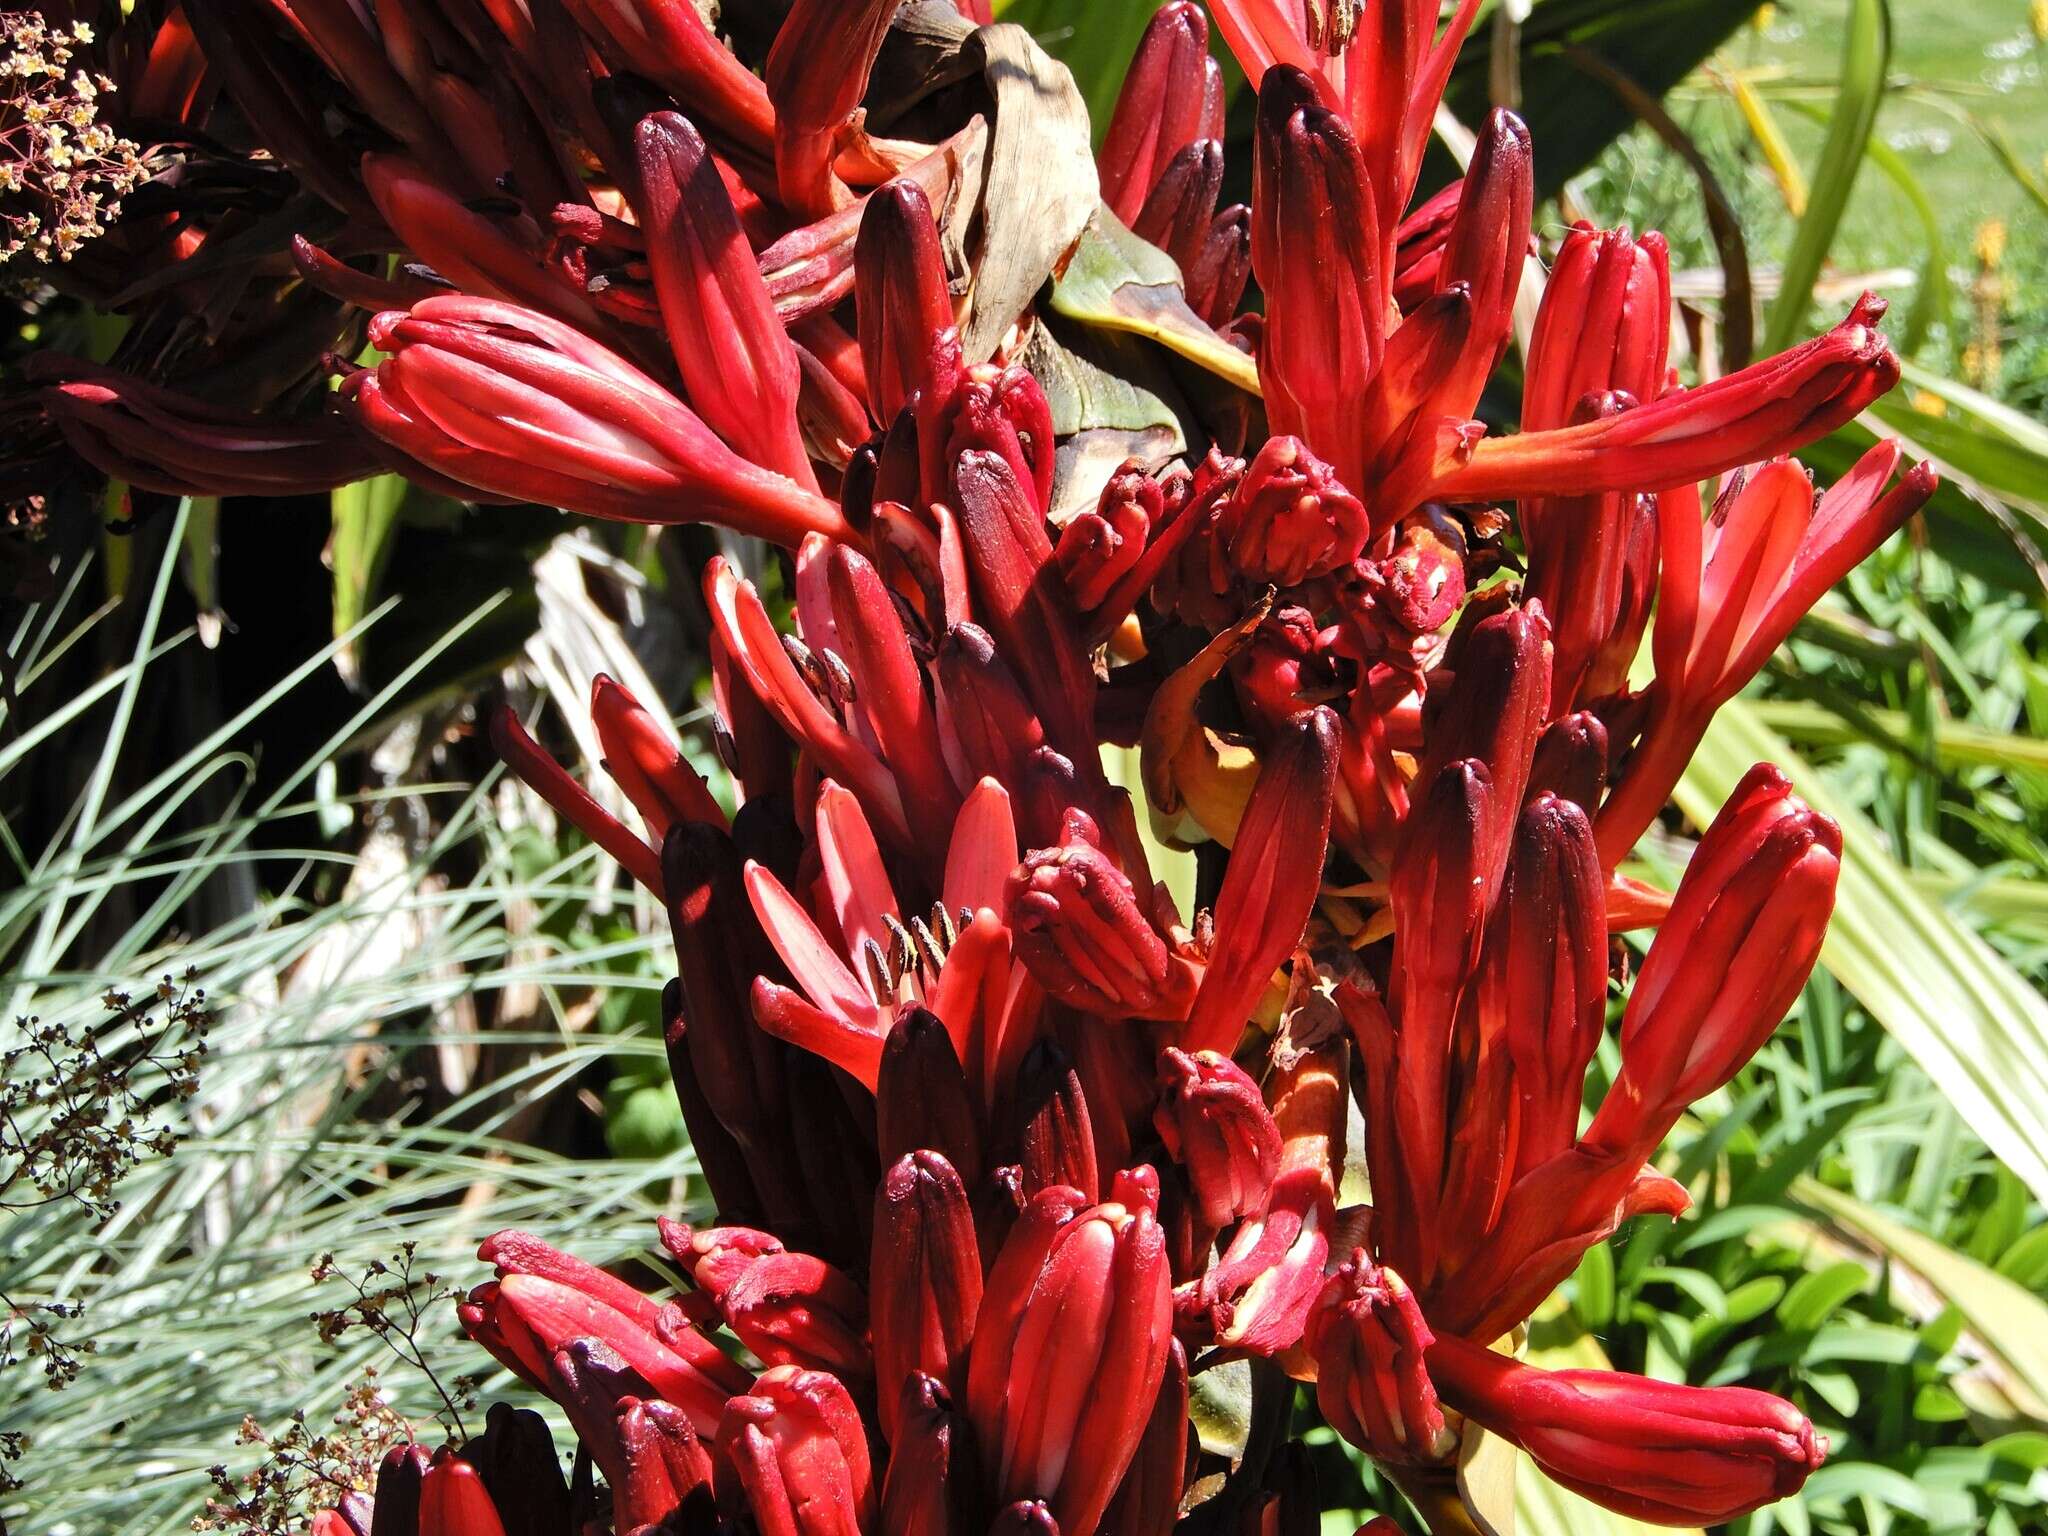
(63, 171)
(1003, 1139)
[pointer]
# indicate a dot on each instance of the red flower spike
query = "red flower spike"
(1768, 408)
(1270, 887)
(1652, 1450)
(1369, 1340)
(932, 1487)
(798, 1457)
(521, 405)
(1055, 1139)
(1080, 928)
(1214, 1122)
(571, 801)
(1172, 93)
(926, 1280)
(1742, 936)
(1290, 520)
(646, 762)
(1486, 249)
(1545, 976)
(1256, 1296)
(1071, 1345)
(739, 369)
(901, 296)
(1316, 250)
(817, 73)
(1147, 1501)
(453, 1501)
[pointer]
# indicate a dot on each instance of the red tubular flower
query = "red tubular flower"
(1148, 1499)
(901, 296)
(1214, 1123)
(161, 440)
(738, 366)
(933, 1484)
(534, 1317)
(798, 1457)
(1369, 1340)
(521, 405)
(1545, 979)
(1740, 940)
(1652, 1450)
(1486, 249)
(1172, 95)
(1768, 408)
(1270, 887)
(1316, 250)
(1098, 549)
(816, 75)
(1086, 937)
(788, 1308)
(1605, 324)
(1070, 1348)
(646, 762)
(669, 43)
(1773, 551)
(1289, 519)
(926, 1280)
(1256, 1296)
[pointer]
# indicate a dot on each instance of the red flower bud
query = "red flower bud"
(1097, 549)
(1368, 1338)
(1026, 1517)
(1741, 938)
(1316, 249)
(901, 296)
(739, 369)
(1070, 1348)
(816, 74)
(1177, 214)
(519, 404)
(1270, 887)
(1172, 94)
(1214, 1122)
(1486, 249)
(926, 1279)
(1652, 1450)
(1605, 325)
(793, 1309)
(453, 1501)
(646, 762)
(923, 1101)
(798, 1457)
(662, 1464)
(1147, 1502)
(1055, 1139)
(1289, 520)
(1080, 928)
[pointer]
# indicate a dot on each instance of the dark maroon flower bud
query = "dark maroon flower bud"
(922, 1100)
(1177, 214)
(1055, 1141)
(1147, 1501)
(901, 296)
(1571, 760)
(932, 1487)
(1026, 1517)
(926, 1278)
